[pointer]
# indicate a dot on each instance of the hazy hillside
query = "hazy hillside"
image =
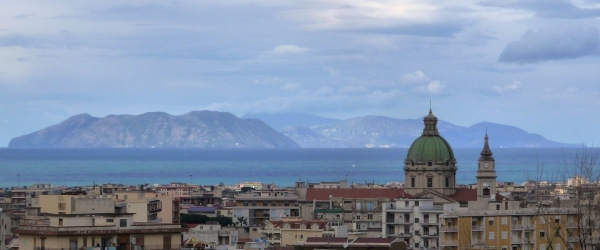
(200, 129)
(283, 120)
(381, 131)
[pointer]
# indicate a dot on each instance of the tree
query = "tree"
(573, 222)
(201, 219)
(241, 221)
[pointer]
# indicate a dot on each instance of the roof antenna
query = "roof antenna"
(429, 104)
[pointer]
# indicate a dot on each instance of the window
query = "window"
(357, 226)
(497, 206)
(406, 204)
(287, 204)
(416, 203)
(370, 216)
(557, 219)
(447, 180)
(504, 220)
(542, 246)
(491, 222)
(254, 203)
(417, 232)
(416, 244)
(265, 203)
(504, 235)
(557, 247)
(429, 182)
(110, 220)
(85, 241)
(542, 234)
(412, 182)
(542, 220)
(491, 236)
(416, 220)
(123, 222)
(358, 216)
(504, 248)
(273, 203)
(430, 164)
(62, 206)
(245, 203)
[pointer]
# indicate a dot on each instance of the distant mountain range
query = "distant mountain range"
(199, 129)
(209, 129)
(381, 131)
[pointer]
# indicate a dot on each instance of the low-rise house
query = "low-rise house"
(341, 243)
(211, 234)
(286, 233)
(105, 231)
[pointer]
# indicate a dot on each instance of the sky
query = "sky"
(534, 64)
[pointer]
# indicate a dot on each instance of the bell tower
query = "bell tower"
(486, 173)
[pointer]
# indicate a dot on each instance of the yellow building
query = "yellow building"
(106, 231)
(529, 228)
(286, 233)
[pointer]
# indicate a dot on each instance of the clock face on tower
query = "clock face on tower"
(486, 165)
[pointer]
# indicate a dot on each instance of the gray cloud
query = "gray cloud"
(548, 8)
(551, 44)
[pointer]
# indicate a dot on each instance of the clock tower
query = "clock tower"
(486, 173)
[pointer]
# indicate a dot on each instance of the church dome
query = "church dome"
(430, 147)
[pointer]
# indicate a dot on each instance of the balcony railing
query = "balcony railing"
(477, 228)
(449, 229)
(398, 221)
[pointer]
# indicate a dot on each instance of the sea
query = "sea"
(283, 167)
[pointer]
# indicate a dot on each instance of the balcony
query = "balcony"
(449, 229)
(516, 227)
(430, 235)
(572, 225)
(516, 240)
(477, 228)
(572, 239)
(402, 235)
(478, 242)
(224, 233)
(444, 242)
(398, 221)
(429, 222)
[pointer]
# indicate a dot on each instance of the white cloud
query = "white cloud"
(289, 50)
(290, 86)
(415, 77)
(511, 87)
(434, 87)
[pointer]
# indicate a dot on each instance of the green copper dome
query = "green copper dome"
(430, 148)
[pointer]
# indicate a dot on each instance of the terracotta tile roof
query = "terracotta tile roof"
(464, 195)
(243, 240)
(322, 194)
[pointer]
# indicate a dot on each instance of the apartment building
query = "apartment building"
(413, 220)
(149, 206)
(212, 235)
(258, 207)
(289, 232)
(27, 197)
(527, 228)
(358, 208)
(73, 204)
(98, 230)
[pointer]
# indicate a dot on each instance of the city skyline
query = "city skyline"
(530, 64)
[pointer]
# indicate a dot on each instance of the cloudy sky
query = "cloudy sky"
(534, 64)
